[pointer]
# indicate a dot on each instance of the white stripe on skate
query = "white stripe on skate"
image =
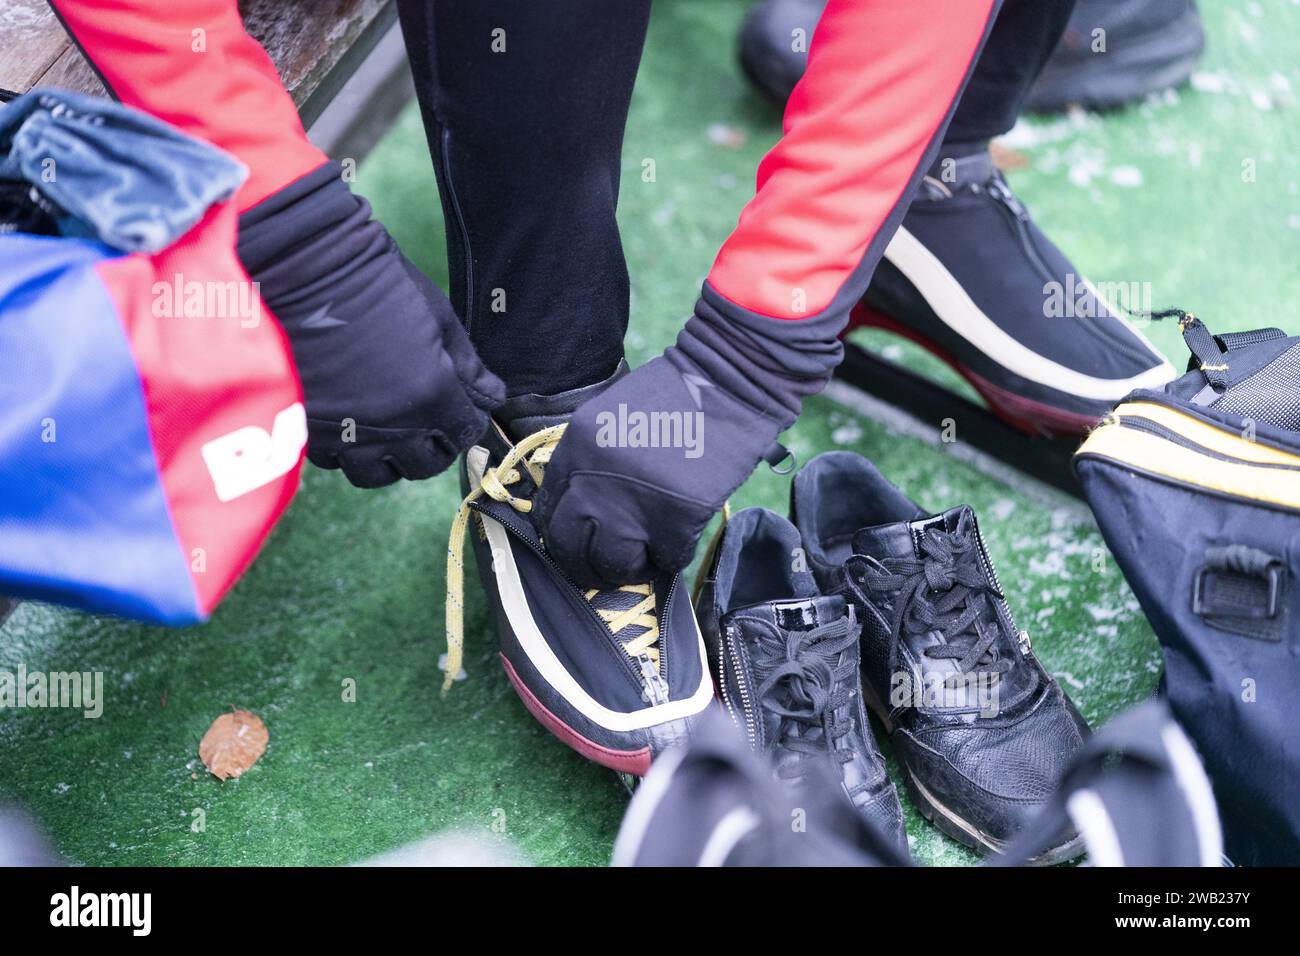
(959, 312)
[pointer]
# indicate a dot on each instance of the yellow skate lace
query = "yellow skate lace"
(532, 455)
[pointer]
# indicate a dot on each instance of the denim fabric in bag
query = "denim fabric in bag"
(117, 175)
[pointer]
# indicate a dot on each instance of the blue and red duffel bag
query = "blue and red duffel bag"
(151, 420)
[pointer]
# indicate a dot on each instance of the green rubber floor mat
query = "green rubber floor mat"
(1192, 195)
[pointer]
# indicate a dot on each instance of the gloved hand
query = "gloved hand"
(613, 511)
(646, 463)
(393, 387)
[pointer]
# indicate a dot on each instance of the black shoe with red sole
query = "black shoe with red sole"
(971, 278)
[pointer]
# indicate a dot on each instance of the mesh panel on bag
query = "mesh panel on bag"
(1270, 395)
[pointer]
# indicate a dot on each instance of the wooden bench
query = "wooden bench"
(316, 46)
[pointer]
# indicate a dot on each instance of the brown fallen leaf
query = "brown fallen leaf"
(233, 743)
(729, 137)
(1007, 159)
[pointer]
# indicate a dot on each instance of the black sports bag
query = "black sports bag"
(1196, 488)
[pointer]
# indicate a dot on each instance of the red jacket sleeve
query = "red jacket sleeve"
(861, 127)
(191, 63)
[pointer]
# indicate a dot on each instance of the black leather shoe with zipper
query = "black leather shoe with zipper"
(785, 661)
(982, 730)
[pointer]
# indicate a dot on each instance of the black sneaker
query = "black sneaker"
(970, 277)
(785, 660)
(1150, 45)
(982, 731)
(619, 675)
(774, 43)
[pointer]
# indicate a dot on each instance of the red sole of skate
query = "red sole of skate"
(635, 762)
(1023, 414)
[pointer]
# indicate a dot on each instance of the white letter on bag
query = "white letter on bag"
(248, 458)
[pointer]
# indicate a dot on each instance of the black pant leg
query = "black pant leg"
(524, 105)
(1024, 35)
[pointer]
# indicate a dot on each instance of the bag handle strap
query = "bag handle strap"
(1210, 352)
(1240, 561)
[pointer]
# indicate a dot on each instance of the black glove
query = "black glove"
(646, 463)
(393, 387)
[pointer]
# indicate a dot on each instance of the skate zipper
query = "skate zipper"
(656, 688)
(632, 669)
(1002, 192)
(653, 672)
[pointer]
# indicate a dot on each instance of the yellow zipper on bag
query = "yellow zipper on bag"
(1247, 469)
